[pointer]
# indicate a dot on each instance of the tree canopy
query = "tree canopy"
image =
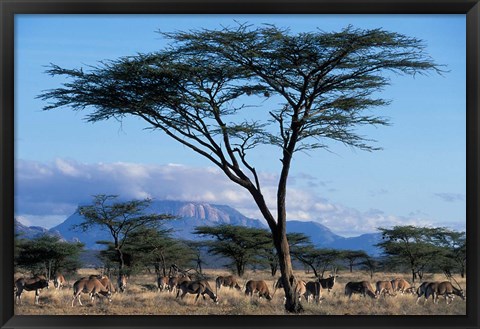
(121, 218)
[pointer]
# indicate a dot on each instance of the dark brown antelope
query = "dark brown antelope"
(314, 291)
(329, 282)
(421, 290)
(445, 289)
(363, 287)
(259, 287)
(226, 281)
(201, 287)
(36, 283)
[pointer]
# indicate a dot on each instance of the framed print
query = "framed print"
(239, 164)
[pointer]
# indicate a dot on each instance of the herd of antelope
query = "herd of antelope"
(180, 285)
(93, 285)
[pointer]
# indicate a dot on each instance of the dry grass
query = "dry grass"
(142, 298)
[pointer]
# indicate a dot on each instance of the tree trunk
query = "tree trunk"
(292, 304)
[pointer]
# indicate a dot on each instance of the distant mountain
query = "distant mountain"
(191, 214)
(365, 242)
(31, 232)
(322, 237)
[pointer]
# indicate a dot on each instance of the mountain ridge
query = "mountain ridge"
(192, 214)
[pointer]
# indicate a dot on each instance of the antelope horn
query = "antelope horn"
(457, 283)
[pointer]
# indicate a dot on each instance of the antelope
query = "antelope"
(329, 282)
(162, 283)
(314, 290)
(257, 286)
(421, 290)
(91, 286)
(105, 281)
(444, 288)
(362, 287)
(384, 287)
(36, 283)
(200, 287)
(175, 282)
(122, 283)
(59, 281)
(227, 281)
(402, 286)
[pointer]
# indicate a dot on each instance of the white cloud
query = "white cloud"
(47, 193)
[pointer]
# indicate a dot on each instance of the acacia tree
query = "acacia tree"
(318, 259)
(323, 85)
(243, 245)
(121, 219)
(413, 246)
(352, 256)
(147, 247)
(47, 255)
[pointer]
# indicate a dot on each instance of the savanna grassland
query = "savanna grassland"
(143, 298)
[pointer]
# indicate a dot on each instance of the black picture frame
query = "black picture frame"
(9, 8)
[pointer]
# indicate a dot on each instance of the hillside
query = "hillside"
(190, 215)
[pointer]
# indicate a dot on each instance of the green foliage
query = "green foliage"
(122, 219)
(48, 254)
(425, 248)
(354, 257)
(243, 245)
(147, 248)
(318, 259)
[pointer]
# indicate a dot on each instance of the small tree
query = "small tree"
(158, 249)
(47, 255)
(318, 259)
(242, 245)
(353, 256)
(324, 85)
(122, 219)
(412, 246)
(370, 264)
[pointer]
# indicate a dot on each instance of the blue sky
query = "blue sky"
(418, 178)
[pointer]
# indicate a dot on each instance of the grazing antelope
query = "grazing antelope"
(59, 281)
(36, 283)
(162, 283)
(328, 283)
(227, 281)
(122, 282)
(200, 287)
(91, 286)
(384, 287)
(176, 281)
(363, 287)
(421, 291)
(105, 281)
(314, 290)
(402, 286)
(257, 286)
(444, 288)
